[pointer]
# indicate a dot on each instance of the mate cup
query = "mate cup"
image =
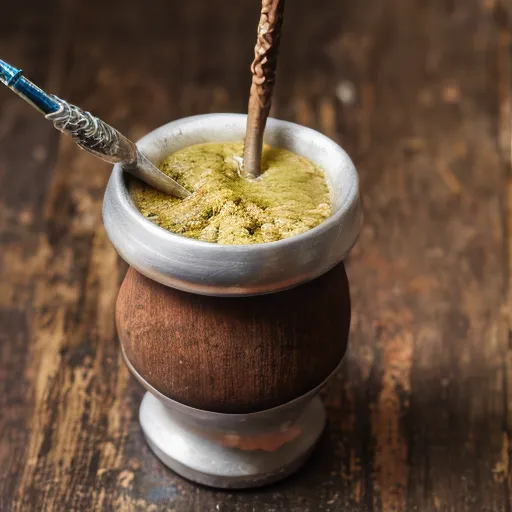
(233, 343)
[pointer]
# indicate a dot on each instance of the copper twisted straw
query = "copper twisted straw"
(263, 71)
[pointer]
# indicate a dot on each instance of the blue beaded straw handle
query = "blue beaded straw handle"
(13, 78)
(89, 132)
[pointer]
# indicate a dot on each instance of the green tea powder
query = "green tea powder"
(291, 196)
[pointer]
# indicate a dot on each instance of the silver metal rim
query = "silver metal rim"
(220, 270)
(192, 411)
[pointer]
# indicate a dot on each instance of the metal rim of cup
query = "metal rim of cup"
(235, 270)
(230, 420)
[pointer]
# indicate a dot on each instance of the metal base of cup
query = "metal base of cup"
(203, 460)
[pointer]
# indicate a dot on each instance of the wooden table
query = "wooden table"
(420, 417)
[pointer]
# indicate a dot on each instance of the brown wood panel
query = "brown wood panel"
(419, 94)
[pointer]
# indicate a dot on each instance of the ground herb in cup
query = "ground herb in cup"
(290, 197)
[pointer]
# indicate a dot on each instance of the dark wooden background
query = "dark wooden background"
(418, 92)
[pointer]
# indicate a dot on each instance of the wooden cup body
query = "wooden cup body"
(234, 355)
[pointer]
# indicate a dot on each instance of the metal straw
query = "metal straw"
(89, 132)
(263, 71)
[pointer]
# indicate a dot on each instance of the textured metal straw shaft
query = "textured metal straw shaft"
(89, 132)
(263, 71)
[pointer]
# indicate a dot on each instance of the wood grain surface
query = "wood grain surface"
(234, 355)
(418, 93)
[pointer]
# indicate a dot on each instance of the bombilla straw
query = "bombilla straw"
(90, 133)
(263, 71)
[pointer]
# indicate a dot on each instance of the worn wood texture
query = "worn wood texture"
(230, 355)
(420, 417)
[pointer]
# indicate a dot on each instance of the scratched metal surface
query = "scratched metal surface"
(418, 93)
